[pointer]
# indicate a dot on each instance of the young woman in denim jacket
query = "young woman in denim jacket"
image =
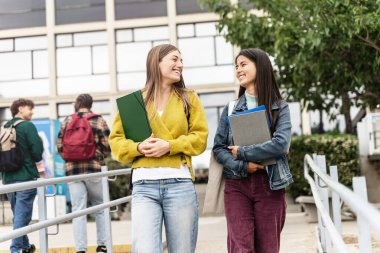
(254, 195)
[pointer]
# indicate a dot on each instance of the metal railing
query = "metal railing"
(329, 231)
(44, 223)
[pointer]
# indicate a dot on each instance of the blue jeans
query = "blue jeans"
(82, 192)
(22, 208)
(172, 201)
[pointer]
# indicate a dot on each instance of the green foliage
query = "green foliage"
(323, 49)
(120, 187)
(340, 150)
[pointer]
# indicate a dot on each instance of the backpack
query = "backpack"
(78, 140)
(11, 157)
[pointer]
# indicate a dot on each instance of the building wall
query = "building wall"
(51, 51)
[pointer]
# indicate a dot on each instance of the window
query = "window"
(21, 13)
(102, 107)
(24, 67)
(82, 63)
(79, 11)
(132, 49)
(205, 53)
(127, 9)
(214, 104)
(188, 6)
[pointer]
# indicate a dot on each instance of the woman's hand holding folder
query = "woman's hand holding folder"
(153, 147)
(251, 167)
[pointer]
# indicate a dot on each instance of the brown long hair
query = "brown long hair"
(154, 77)
(266, 86)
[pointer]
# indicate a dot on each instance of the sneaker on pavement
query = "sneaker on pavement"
(101, 249)
(31, 249)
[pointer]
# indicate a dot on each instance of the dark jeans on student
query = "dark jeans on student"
(255, 214)
(22, 208)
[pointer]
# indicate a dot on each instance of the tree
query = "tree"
(327, 52)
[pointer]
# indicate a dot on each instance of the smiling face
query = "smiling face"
(171, 67)
(245, 71)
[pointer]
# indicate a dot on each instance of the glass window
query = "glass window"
(127, 9)
(64, 40)
(6, 45)
(185, 31)
(15, 66)
(124, 35)
(30, 43)
(83, 84)
(151, 33)
(21, 13)
(188, 6)
(197, 51)
(5, 114)
(74, 61)
(24, 67)
(25, 88)
(90, 38)
(205, 53)
(131, 81)
(82, 63)
(40, 64)
(41, 111)
(100, 59)
(214, 104)
(79, 11)
(132, 49)
(205, 29)
(102, 107)
(132, 56)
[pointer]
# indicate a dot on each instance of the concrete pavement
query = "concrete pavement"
(298, 236)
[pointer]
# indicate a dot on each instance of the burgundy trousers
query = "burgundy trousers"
(255, 214)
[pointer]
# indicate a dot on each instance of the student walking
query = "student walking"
(84, 149)
(31, 148)
(162, 172)
(254, 195)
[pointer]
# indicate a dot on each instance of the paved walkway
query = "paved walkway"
(298, 235)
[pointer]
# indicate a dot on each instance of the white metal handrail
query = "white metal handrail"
(44, 223)
(356, 203)
(50, 222)
(335, 236)
(59, 180)
(367, 214)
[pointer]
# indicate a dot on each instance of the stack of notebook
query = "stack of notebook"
(251, 127)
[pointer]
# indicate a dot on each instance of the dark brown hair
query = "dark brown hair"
(154, 77)
(83, 101)
(20, 102)
(267, 90)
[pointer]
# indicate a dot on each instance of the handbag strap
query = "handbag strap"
(231, 107)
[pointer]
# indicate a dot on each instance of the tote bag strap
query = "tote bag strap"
(231, 106)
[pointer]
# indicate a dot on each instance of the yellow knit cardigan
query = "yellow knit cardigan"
(186, 137)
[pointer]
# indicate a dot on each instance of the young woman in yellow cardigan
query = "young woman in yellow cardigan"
(162, 173)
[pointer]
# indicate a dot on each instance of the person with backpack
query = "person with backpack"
(21, 148)
(254, 195)
(83, 144)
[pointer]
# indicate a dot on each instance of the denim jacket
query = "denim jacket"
(236, 168)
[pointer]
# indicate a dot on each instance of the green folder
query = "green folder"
(134, 117)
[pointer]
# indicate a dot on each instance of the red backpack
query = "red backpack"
(78, 140)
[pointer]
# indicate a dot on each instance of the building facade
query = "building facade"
(51, 51)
